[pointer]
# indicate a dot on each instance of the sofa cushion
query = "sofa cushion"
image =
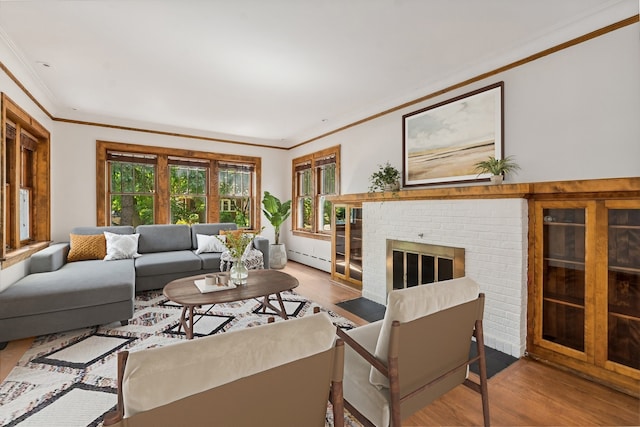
(75, 285)
(121, 246)
(152, 264)
(210, 260)
(116, 229)
(163, 238)
(86, 246)
(209, 229)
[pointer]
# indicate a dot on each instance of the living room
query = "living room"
(570, 108)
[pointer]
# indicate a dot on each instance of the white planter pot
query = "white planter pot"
(392, 187)
(277, 256)
(497, 179)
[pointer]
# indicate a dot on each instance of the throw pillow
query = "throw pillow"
(85, 247)
(121, 246)
(247, 250)
(208, 243)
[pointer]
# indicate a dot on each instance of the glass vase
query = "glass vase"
(238, 273)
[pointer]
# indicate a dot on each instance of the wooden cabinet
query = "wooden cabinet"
(346, 260)
(586, 288)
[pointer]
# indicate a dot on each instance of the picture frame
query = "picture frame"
(443, 142)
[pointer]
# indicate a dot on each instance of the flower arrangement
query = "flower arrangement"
(237, 241)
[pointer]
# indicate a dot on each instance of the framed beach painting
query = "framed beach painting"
(443, 142)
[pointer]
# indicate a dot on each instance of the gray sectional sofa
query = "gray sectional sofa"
(58, 295)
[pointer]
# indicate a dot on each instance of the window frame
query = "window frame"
(34, 171)
(163, 196)
(312, 162)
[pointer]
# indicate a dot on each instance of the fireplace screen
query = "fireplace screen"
(411, 264)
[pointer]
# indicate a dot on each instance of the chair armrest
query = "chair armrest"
(262, 244)
(363, 352)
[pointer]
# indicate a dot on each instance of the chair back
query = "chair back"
(277, 373)
(409, 304)
(432, 350)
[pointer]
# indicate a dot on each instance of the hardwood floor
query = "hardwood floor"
(527, 393)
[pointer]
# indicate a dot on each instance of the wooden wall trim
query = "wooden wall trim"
(610, 187)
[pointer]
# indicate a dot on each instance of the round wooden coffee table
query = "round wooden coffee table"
(260, 283)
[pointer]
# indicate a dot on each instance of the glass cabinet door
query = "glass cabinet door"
(347, 244)
(623, 305)
(564, 277)
(355, 244)
(340, 218)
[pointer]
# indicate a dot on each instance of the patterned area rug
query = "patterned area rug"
(69, 379)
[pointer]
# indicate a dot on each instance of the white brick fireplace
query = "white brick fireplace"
(493, 233)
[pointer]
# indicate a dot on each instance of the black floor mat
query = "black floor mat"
(496, 360)
(364, 308)
(372, 311)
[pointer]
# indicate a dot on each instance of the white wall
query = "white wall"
(73, 170)
(570, 115)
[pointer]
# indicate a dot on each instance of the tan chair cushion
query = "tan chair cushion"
(157, 376)
(370, 401)
(409, 304)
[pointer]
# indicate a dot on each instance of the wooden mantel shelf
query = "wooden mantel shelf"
(628, 187)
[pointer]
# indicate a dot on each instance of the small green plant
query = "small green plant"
(386, 176)
(276, 212)
(497, 166)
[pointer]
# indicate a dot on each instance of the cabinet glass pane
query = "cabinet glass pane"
(340, 215)
(624, 287)
(355, 244)
(564, 277)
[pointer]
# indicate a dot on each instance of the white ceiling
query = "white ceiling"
(273, 71)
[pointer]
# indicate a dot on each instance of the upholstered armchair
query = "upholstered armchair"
(417, 353)
(282, 373)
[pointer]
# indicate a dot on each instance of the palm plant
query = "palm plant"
(276, 212)
(497, 166)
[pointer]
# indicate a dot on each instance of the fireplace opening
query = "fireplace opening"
(411, 264)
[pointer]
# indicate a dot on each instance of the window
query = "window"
(315, 176)
(157, 185)
(188, 190)
(24, 194)
(132, 188)
(235, 193)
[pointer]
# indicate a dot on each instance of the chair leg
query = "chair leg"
(337, 402)
(484, 391)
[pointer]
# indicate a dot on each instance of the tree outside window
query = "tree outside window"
(235, 189)
(132, 189)
(188, 187)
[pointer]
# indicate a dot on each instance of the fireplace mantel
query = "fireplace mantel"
(601, 187)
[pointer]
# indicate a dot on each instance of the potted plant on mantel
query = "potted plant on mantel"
(385, 179)
(497, 168)
(276, 212)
